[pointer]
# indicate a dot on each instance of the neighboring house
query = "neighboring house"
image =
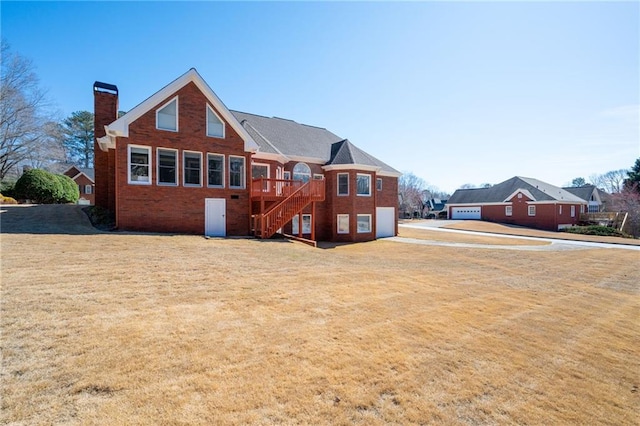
(597, 200)
(182, 162)
(436, 205)
(85, 179)
(519, 201)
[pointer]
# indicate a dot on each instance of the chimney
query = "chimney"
(105, 106)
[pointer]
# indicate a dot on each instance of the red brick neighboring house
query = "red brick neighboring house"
(84, 178)
(182, 162)
(519, 201)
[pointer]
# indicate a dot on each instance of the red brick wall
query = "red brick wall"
(180, 209)
(106, 112)
(82, 182)
(547, 216)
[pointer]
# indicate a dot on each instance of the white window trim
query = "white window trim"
(224, 129)
(131, 182)
(531, 210)
(167, 103)
(286, 175)
(560, 209)
(358, 230)
(175, 151)
(338, 224)
(338, 185)
(369, 177)
(294, 223)
(268, 166)
(573, 211)
(243, 174)
(88, 189)
(508, 210)
(184, 171)
(305, 174)
(378, 180)
(223, 170)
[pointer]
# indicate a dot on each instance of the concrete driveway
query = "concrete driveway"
(555, 243)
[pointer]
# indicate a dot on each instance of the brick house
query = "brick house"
(182, 162)
(519, 201)
(84, 178)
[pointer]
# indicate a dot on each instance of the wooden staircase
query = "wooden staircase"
(290, 197)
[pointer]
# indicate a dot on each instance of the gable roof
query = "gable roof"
(535, 189)
(585, 191)
(88, 172)
(120, 127)
(293, 140)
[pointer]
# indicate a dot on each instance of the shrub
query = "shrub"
(603, 231)
(7, 200)
(43, 187)
(70, 192)
(7, 188)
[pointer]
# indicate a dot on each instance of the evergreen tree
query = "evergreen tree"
(78, 137)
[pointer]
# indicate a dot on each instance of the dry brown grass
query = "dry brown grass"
(148, 329)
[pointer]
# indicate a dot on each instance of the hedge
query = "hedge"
(43, 187)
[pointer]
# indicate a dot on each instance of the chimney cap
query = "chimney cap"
(99, 86)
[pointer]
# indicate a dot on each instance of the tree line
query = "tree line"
(31, 134)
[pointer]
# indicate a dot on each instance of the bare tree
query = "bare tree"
(22, 105)
(614, 180)
(410, 194)
(49, 153)
(628, 201)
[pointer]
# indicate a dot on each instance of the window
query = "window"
(215, 170)
(88, 189)
(573, 211)
(192, 165)
(379, 184)
(560, 209)
(167, 166)
(301, 172)
(532, 210)
(508, 210)
(236, 172)
(343, 183)
(167, 116)
(364, 223)
(139, 165)
(306, 224)
(259, 171)
(286, 175)
(343, 224)
(215, 126)
(363, 184)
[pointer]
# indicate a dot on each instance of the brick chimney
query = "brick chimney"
(105, 106)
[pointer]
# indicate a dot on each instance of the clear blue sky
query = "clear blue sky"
(453, 92)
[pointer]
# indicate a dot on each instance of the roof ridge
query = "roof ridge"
(263, 137)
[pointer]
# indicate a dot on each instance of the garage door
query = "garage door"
(465, 213)
(385, 222)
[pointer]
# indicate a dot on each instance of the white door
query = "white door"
(466, 213)
(214, 217)
(385, 222)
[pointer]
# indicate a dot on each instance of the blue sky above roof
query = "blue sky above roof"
(456, 92)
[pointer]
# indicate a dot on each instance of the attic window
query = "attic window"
(167, 116)
(215, 126)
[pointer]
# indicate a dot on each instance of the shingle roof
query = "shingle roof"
(541, 191)
(89, 172)
(583, 192)
(287, 137)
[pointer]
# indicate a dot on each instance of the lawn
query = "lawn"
(158, 329)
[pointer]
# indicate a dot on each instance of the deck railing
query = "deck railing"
(296, 195)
